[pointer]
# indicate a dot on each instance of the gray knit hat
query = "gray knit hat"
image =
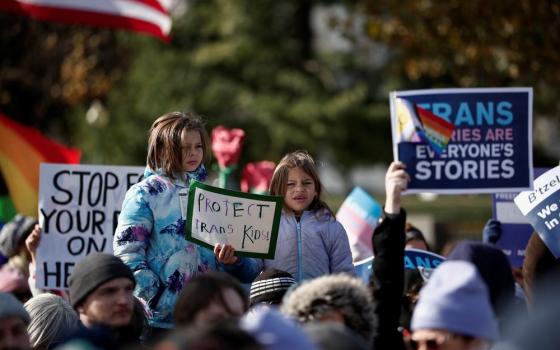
(456, 299)
(14, 232)
(10, 306)
(92, 271)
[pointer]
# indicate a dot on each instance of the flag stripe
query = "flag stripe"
(428, 123)
(26, 194)
(21, 154)
(22, 150)
(138, 15)
(436, 131)
(428, 115)
(32, 140)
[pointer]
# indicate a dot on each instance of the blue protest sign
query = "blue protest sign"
(363, 268)
(413, 259)
(541, 207)
(359, 214)
(464, 140)
(516, 229)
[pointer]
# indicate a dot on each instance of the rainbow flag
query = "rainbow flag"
(416, 124)
(436, 130)
(22, 150)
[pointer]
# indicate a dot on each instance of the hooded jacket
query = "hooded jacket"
(316, 245)
(150, 239)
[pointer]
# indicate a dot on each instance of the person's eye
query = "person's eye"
(291, 184)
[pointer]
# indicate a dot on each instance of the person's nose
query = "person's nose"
(124, 297)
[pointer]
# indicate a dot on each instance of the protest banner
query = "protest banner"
(358, 214)
(247, 221)
(515, 228)
(541, 208)
(464, 140)
(413, 259)
(79, 207)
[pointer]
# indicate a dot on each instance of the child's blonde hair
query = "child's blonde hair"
(298, 159)
(164, 143)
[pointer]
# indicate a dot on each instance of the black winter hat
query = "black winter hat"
(270, 287)
(92, 271)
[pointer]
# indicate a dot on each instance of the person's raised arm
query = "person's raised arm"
(388, 266)
(396, 181)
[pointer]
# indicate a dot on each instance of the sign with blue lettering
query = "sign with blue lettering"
(464, 140)
(541, 207)
(413, 259)
(515, 228)
(79, 206)
(247, 221)
(359, 214)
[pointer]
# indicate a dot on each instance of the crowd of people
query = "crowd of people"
(160, 291)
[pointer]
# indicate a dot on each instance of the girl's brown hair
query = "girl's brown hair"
(304, 161)
(164, 142)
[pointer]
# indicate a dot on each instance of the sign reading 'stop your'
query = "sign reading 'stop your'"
(79, 207)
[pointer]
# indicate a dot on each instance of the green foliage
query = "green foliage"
(247, 64)
(253, 65)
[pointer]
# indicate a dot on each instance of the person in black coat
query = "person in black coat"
(388, 270)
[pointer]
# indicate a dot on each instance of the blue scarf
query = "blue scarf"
(199, 174)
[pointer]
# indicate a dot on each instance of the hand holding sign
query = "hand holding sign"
(225, 253)
(396, 181)
(32, 243)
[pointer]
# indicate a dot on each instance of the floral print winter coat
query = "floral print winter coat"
(150, 239)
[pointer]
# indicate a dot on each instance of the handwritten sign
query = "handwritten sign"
(249, 222)
(79, 207)
(423, 260)
(542, 208)
(464, 140)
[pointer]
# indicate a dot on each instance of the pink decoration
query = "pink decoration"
(256, 176)
(226, 145)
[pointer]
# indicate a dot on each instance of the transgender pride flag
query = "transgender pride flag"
(358, 214)
(416, 124)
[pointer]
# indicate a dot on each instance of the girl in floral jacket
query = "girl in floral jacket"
(150, 235)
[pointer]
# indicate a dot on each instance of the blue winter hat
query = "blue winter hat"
(274, 331)
(456, 299)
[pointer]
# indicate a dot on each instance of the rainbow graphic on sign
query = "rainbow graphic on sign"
(416, 124)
